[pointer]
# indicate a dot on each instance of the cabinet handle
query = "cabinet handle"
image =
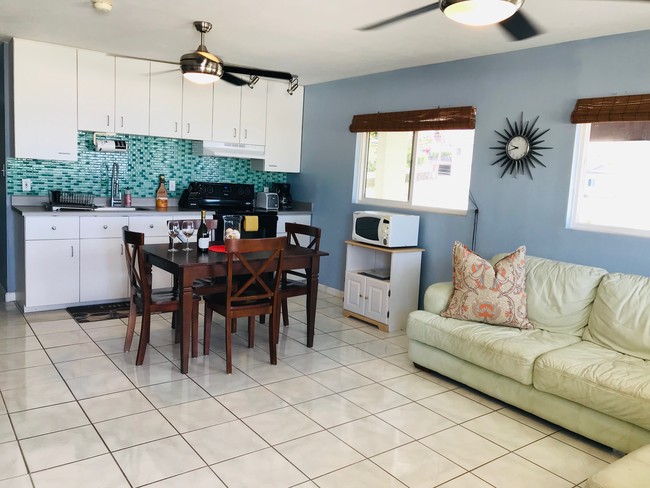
(245, 133)
(175, 126)
(108, 120)
(105, 226)
(234, 132)
(151, 226)
(71, 251)
(188, 127)
(54, 227)
(121, 121)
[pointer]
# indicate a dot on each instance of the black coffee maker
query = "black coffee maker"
(284, 195)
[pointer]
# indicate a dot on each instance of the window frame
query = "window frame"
(361, 165)
(583, 132)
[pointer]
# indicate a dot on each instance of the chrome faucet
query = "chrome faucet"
(116, 197)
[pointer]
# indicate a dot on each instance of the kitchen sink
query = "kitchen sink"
(115, 209)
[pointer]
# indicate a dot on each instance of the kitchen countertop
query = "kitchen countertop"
(35, 206)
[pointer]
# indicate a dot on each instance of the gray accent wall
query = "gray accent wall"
(513, 211)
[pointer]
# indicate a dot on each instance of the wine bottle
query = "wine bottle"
(161, 194)
(203, 235)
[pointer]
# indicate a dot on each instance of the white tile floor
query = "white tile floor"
(351, 412)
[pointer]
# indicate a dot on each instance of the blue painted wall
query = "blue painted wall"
(542, 81)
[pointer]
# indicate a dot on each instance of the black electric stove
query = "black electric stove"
(229, 199)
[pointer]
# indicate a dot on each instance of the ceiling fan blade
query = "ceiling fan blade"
(519, 27)
(232, 79)
(407, 15)
(264, 73)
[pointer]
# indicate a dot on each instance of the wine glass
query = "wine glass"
(188, 230)
(174, 230)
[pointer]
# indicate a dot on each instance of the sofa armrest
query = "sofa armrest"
(437, 296)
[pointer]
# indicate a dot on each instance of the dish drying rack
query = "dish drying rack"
(66, 200)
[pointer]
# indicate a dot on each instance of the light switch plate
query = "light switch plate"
(172, 185)
(27, 184)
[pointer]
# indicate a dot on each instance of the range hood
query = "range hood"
(227, 150)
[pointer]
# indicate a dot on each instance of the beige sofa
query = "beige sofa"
(585, 366)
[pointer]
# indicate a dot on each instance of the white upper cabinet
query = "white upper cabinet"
(113, 93)
(239, 113)
(45, 101)
(96, 91)
(283, 130)
(197, 111)
(132, 96)
(166, 105)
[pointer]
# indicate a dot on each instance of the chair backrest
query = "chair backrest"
(294, 231)
(259, 259)
(133, 242)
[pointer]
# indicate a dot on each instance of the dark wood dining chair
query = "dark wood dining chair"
(260, 260)
(143, 298)
(301, 235)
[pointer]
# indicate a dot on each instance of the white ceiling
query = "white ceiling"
(318, 40)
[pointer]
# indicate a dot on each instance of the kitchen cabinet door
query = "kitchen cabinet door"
(252, 125)
(132, 96)
(103, 274)
(51, 273)
(95, 91)
(166, 100)
(367, 297)
(197, 111)
(45, 106)
(354, 299)
(226, 112)
(283, 130)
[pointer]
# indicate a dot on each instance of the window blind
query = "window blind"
(625, 108)
(451, 118)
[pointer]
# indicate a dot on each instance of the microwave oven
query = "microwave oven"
(385, 229)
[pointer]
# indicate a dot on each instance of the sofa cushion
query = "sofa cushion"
(599, 378)
(620, 316)
(559, 295)
(504, 350)
(491, 294)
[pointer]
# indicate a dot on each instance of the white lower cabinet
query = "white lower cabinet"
(283, 219)
(381, 284)
(51, 273)
(48, 262)
(103, 274)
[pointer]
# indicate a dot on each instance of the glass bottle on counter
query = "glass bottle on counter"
(161, 194)
(127, 197)
(203, 235)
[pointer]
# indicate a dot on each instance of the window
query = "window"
(427, 167)
(611, 168)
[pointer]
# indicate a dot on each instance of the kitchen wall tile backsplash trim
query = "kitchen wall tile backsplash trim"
(146, 159)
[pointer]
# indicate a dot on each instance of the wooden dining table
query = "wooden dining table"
(188, 266)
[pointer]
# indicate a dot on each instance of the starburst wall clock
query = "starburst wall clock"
(519, 147)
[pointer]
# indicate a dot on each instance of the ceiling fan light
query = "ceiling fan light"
(199, 69)
(200, 78)
(479, 12)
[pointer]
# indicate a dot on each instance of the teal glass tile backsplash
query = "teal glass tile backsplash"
(145, 160)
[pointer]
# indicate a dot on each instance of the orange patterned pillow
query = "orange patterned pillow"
(483, 293)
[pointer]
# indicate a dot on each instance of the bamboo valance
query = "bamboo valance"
(626, 108)
(450, 118)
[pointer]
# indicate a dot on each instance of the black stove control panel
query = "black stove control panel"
(206, 195)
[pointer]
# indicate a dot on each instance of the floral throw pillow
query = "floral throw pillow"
(491, 294)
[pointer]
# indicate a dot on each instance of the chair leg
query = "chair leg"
(251, 331)
(262, 319)
(229, 325)
(274, 334)
(207, 325)
(144, 334)
(195, 328)
(130, 326)
(285, 312)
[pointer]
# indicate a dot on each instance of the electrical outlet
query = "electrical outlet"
(172, 185)
(27, 184)
(266, 189)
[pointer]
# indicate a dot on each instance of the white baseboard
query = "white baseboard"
(331, 291)
(10, 297)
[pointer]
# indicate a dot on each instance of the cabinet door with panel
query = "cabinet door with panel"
(166, 100)
(103, 274)
(132, 96)
(226, 112)
(367, 296)
(239, 113)
(95, 91)
(51, 262)
(45, 106)
(252, 125)
(197, 111)
(283, 146)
